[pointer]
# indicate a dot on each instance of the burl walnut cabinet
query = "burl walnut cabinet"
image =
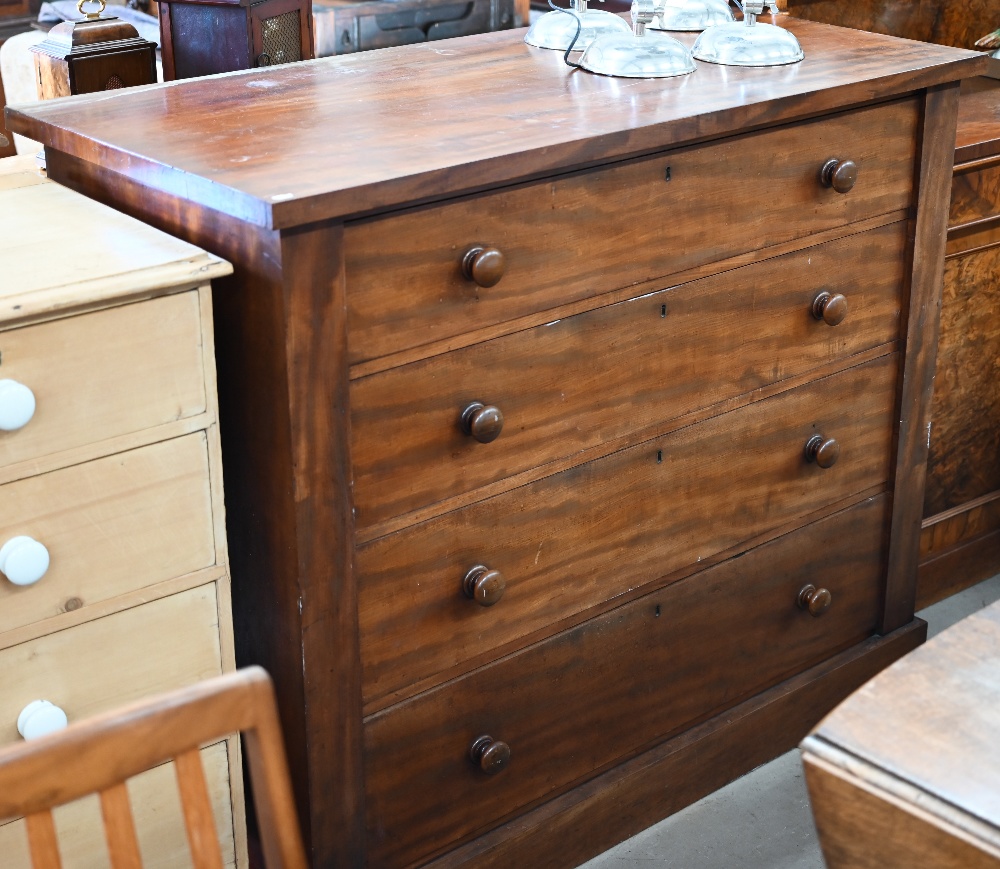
(575, 427)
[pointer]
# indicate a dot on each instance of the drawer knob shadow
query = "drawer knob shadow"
(484, 265)
(841, 175)
(490, 755)
(831, 308)
(23, 560)
(823, 451)
(484, 422)
(483, 585)
(815, 601)
(17, 405)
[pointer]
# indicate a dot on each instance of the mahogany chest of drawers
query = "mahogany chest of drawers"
(574, 443)
(113, 569)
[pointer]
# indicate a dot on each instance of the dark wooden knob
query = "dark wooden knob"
(823, 451)
(484, 422)
(831, 308)
(490, 755)
(484, 265)
(816, 600)
(841, 175)
(483, 585)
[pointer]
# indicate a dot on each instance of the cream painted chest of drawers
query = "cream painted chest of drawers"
(114, 569)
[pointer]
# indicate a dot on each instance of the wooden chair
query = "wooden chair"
(98, 754)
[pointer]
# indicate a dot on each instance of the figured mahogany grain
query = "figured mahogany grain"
(602, 691)
(587, 379)
(424, 122)
(583, 822)
(978, 135)
(964, 462)
(404, 275)
(975, 195)
(560, 542)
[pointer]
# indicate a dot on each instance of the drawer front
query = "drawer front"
(601, 529)
(975, 195)
(596, 231)
(98, 665)
(619, 683)
(594, 377)
(105, 374)
(159, 822)
(110, 526)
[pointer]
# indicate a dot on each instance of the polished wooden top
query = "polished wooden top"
(978, 135)
(348, 135)
(933, 717)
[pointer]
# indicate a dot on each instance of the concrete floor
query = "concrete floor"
(761, 821)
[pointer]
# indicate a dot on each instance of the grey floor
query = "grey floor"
(761, 821)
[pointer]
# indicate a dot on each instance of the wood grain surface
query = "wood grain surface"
(595, 377)
(561, 542)
(978, 136)
(572, 705)
(405, 285)
(963, 463)
(424, 121)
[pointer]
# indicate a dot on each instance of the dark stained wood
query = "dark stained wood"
(741, 631)
(975, 194)
(615, 371)
(940, 21)
(959, 549)
(978, 136)
(374, 139)
(937, 147)
(549, 117)
(964, 462)
(670, 227)
(6, 137)
(415, 621)
(897, 780)
(582, 823)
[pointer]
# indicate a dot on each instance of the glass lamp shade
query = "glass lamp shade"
(691, 15)
(557, 29)
(747, 43)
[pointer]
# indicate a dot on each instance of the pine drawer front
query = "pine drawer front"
(159, 823)
(104, 374)
(618, 683)
(560, 543)
(110, 526)
(99, 665)
(567, 239)
(595, 377)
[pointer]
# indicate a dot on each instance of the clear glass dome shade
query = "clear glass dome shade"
(638, 54)
(557, 29)
(691, 15)
(747, 43)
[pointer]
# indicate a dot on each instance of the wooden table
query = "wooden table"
(574, 445)
(905, 771)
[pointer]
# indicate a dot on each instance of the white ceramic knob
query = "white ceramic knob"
(23, 560)
(40, 718)
(17, 405)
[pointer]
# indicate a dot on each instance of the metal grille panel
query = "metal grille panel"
(281, 37)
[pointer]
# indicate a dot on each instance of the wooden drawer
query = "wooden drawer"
(105, 374)
(589, 379)
(601, 529)
(158, 820)
(616, 684)
(111, 526)
(975, 195)
(98, 665)
(587, 233)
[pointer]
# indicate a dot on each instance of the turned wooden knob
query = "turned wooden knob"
(823, 451)
(831, 308)
(484, 422)
(816, 600)
(841, 175)
(490, 755)
(483, 585)
(484, 265)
